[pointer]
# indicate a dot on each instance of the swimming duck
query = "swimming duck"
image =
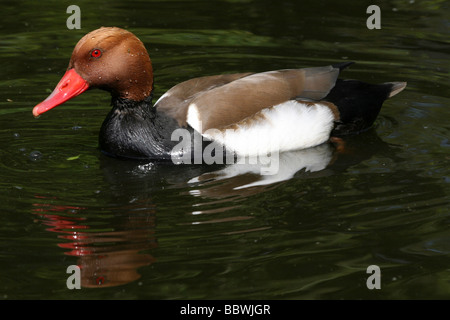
(248, 113)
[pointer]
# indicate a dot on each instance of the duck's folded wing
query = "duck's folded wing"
(176, 101)
(221, 101)
(229, 104)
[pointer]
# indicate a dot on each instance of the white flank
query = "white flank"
(291, 125)
(193, 118)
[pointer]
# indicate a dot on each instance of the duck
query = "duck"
(248, 113)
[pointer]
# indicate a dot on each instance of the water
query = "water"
(150, 231)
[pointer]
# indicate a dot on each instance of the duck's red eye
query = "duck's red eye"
(96, 53)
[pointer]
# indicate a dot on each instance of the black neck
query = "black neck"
(134, 129)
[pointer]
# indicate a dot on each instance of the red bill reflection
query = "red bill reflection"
(109, 249)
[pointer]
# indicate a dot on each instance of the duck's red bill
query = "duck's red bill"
(71, 85)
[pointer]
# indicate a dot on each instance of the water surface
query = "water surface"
(150, 231)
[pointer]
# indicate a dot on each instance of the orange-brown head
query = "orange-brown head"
(108, 58)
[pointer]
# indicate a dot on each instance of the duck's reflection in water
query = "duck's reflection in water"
(324, 160)
(257, 173)
(112, 244)
(108, 255)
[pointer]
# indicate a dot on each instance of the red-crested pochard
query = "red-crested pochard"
(248, 113)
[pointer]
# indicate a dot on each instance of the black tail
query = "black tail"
(359, 103)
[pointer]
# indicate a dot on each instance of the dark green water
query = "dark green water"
(143, 231)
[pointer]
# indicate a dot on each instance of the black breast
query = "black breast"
(136, 130)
